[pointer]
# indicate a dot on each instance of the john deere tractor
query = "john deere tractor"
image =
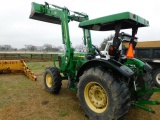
(106, 88)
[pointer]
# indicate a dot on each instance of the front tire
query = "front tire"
(52, 80)
(103, 96)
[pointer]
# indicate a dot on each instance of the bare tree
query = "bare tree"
(7, 47)
(1, 47)
(47, 47)
(30, 47)
(60, 48)
(80, 48)
(103, 44)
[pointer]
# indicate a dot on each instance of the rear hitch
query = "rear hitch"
(140, 104)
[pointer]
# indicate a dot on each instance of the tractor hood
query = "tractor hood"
(128, 20)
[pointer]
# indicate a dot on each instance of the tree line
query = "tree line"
(51, 48)
(45, 47)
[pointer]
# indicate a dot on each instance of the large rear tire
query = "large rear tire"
(52, 80)
(146, 83)
(103, 96)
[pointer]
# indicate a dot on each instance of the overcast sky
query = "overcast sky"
(17, 30)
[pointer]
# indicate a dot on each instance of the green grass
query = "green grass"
(24, 99)
(63, 113)
(39, 66)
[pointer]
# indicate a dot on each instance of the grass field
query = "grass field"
(23, 99)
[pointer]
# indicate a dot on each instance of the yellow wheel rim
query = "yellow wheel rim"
(96, 97)
(49, 80)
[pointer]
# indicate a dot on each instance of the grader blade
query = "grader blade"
(16, 66)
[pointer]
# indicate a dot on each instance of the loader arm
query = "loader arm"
(61, 16)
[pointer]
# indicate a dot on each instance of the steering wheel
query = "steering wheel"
(98, 51)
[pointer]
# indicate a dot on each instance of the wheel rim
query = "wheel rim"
(158, 78)
(96, 97)
(49, 80)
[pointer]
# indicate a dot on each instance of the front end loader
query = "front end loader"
(106, 88)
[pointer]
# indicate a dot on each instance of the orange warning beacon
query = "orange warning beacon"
(130, 52)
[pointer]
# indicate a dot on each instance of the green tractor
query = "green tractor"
(106, 88)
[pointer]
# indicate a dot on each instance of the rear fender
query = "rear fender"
(139, 64)
(110, 64)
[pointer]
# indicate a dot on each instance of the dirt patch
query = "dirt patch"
(22, 98)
